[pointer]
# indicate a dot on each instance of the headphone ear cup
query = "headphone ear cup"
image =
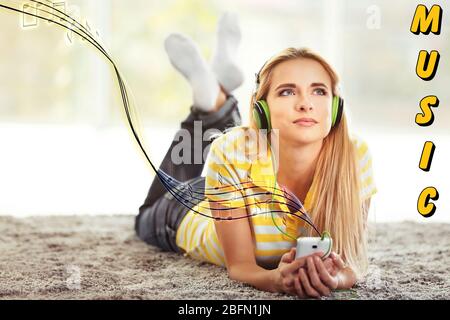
(256, 116)
(261, 114)
(336, 111)
(340, 110)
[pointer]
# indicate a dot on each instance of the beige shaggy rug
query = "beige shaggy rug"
(99, 257)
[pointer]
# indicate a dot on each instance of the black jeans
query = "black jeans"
(161, 214)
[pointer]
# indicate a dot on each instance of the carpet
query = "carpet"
(99, 257)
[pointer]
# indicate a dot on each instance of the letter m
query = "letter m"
(425, 21)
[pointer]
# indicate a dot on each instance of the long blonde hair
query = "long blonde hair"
(336, 204)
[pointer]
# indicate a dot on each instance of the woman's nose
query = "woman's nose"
(303, 104)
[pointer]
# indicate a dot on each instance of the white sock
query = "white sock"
(224, 64)
(185, 56)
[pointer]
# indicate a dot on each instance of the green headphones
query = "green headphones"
(261, 112)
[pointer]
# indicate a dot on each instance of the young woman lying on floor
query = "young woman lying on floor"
(318, 161)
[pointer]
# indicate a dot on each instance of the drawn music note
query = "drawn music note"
(69, 35)
(58, 9)
(43, 11)
(224, 185)
(27, 19)
(225, 212)
(190, 191)
(88, 27)
(74, 13)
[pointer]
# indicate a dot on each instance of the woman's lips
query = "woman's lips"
(305, 123)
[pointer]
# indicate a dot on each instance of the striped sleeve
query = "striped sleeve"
(223, 183)
(367, 180)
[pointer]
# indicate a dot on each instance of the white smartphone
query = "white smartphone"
(309, 245)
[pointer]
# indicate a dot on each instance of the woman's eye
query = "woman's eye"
(282, 93)
(321, 92)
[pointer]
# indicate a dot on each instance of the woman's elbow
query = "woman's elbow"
(234, 273)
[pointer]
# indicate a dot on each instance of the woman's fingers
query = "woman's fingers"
(287, 257)
(332, 270)
(306, 285)
(338, 260)
(298, 288)
(292, 267)
(288, 280)
(324, 275)
(315, 279)
(292, 252)
(329, 264)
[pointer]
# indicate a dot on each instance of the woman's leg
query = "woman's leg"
(210, 110)
(161, 214)
(194, 126)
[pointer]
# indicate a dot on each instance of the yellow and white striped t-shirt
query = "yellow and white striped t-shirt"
(232, 160)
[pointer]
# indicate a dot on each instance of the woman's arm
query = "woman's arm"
(254, 275)
(281, 279)
(236, 240)
(237, 243)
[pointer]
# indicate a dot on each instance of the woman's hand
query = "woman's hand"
(288, 269)
(318, 278)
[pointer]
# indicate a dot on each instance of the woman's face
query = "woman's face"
(299, 100)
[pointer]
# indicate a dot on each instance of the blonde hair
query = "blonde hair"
(336, 204)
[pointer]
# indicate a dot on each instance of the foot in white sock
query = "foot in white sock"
(224, 64)
(185, 56)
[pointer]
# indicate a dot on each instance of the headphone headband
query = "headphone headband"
(257, 76)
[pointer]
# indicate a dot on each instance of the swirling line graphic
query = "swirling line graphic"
(186, 194)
